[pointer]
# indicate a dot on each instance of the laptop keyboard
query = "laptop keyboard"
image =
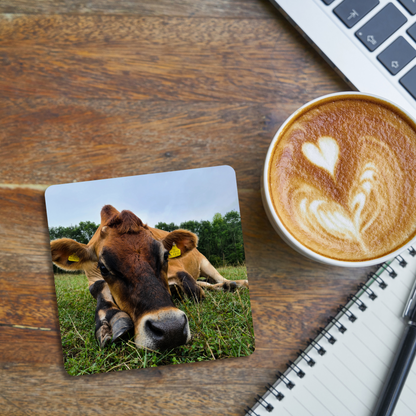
(410, 6)
(396, 56)
(380, 28)
(351, 12)
(377, 30)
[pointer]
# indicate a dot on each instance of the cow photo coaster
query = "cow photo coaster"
(149, 270)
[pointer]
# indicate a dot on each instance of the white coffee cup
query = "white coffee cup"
(273, 217)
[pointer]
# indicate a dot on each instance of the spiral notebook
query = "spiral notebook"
(343, 369)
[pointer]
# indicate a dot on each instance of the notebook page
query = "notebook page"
(348, 378)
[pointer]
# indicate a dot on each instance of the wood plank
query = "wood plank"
(24, 247)
(175, 59)
(118, 138)
(22, 345)
(36, 389)
(226, 116)
(198, 387)
(28, 300)
(211, 8)
(29, 388)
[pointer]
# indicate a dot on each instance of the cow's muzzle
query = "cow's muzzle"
(165, 329)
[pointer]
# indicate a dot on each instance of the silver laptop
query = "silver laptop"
(371, 43)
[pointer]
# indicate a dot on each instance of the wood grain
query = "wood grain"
(180, 59)
(210, 8)
(108, 87)
(98, 89)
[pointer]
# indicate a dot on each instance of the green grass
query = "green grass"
(221, 327)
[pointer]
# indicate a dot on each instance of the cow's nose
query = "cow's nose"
(167, 330)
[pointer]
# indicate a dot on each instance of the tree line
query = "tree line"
(82, 232)
(219, 240)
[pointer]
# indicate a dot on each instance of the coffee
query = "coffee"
(342, 178)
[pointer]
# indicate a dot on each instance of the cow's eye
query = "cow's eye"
(166, 255)
(104, 271)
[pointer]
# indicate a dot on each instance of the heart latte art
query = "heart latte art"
(343, 179)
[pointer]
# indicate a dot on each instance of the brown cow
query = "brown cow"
(126, 263)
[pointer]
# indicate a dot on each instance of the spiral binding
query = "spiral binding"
(249, 411)
(367, 290)
(279, 395)
(331, 339)
(389, 270)
(351, 317)
(361, 305)
(299, 372)
(321, 350)
(381, 283)
(306, 357)
(264, 403)
(401, 260)
(333, 321)
(285, 380)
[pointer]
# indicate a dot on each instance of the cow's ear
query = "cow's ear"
(68, 254)
(181, 240)
(108, 212)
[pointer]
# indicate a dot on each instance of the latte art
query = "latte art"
(366, 201)
(343, 182)
(325, 155)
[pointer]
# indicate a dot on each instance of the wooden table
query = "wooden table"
(106, 88)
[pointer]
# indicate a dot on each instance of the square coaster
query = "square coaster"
(149, 270)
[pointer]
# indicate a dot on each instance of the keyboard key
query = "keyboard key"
(352, 11)
(327, 2)
(412, 32)
(409, 5)
(381, 27)
(396, 56)
(409, 82)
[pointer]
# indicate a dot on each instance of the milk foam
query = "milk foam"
(346, 188)
(328, 217)
(325, 155)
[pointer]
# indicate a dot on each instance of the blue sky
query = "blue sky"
(195, 194)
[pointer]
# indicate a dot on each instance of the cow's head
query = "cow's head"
(135, 267)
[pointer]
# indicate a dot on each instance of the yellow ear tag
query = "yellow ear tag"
(174, 252)
(73, 257)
